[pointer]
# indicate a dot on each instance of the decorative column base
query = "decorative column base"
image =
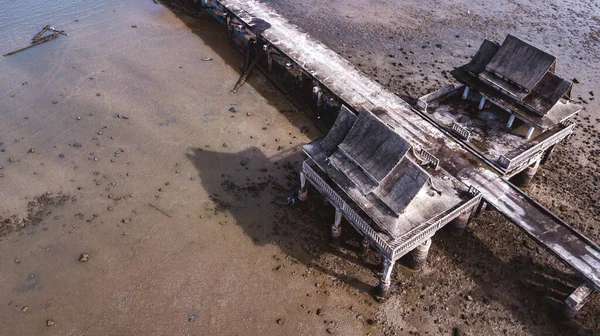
(336, 228)
(383, 290)
(416, 258)
(303, 193)
(458, 225)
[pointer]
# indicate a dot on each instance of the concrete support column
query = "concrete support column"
(416, 258)
(482, 206)
(465, 92)
(303, 193)
(336, 228)
(510, 121)
(317, 94)
(364, 247)
(529, 132)
(457, 226)
(386, 278)
(481, 103)
(523, 178)
(267, 51)
(548, 154)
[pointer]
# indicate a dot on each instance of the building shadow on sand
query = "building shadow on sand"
(254, 190)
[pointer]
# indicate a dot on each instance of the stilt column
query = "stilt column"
(336, 228)
(481, 103)
(386, 278)
(529, 132)
(303, 193)
(548, 154)
(364, 247)
(457, 226)
(523, 178)
(510, 121)
(416, 258)
(465, 92)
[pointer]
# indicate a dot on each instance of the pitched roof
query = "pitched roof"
(402, 186)
(520, 62)
(482, 57)
(519, 77)
(339, 130)
(374, 146)
(547, 92)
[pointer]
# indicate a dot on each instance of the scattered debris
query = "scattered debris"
(38, 39)
(164, 213)
(246, 73)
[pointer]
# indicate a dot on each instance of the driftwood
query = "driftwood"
(37, 39)
(246, 73)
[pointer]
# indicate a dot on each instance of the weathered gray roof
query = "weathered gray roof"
(521, 78)
(374, 146)
(362, 180)
(402, 185)
(547, 92)
(339, 130)
(520, 62)
(373, 157)
(482, 57)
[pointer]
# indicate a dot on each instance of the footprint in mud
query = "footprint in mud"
(168, 121)
(208, 117)
(31, 283)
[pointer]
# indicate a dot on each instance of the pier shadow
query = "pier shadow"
(254, 190)
(214, 34)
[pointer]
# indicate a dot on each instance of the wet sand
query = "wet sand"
(120, 118)
(221, 252)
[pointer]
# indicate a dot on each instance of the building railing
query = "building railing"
(461, 131)
(429, 228)
(426, 157)
(399, 248)
(424, 101)
(349, 213)
(518, 161)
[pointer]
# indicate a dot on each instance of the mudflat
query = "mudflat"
(139, 196)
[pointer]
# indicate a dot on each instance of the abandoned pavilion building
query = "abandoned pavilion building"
(393, 194)
(512, 108)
